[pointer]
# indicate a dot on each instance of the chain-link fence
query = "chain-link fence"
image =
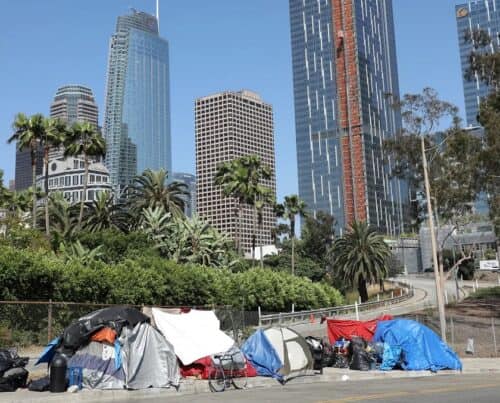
(474, 336)
(34, 323)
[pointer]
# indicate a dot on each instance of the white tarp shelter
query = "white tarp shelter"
(193, 335)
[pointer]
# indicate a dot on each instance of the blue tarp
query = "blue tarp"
(262, 355)
(422, 348)
(49, 351)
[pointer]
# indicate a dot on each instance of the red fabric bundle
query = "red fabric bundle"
(346, 329)
(204, 366)
(106, 334)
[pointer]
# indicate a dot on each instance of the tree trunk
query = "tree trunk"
(33, 179)
(240, 225)
(381, 285)
(261, 249)
(292, 232)
(46, 183)
(363, 292)
(84, 196)
(254, 230)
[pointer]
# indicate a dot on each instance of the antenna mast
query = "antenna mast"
(158, 14)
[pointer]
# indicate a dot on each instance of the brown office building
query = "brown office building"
(230, 125)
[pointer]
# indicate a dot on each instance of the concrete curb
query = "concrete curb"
(196, 387)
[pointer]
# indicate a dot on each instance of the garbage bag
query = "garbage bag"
(360, 361)
(40, 385)
(10, 359)
(316, 347)
(328, 353)
(357, 344)
(12, 379)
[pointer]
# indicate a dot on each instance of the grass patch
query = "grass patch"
(485, 293)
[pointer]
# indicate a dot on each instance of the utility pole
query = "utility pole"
(439, 294)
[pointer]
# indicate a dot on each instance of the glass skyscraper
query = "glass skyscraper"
(344, 67)
(137, 117)
(475, 15)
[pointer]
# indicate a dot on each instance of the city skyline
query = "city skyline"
(269, 74)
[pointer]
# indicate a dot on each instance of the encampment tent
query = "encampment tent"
(117, 348)
(194, 335)
(279, 352)
(422, 349)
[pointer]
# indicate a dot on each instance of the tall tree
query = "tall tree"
(317, 236)
(242, 179)
(292, 207)
(28, 133)
(152, 190)
(360, 257)
(84, 140)
(53, 136)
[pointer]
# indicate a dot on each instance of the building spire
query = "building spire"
(158, 14)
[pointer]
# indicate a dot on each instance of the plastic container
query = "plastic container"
(58, 368)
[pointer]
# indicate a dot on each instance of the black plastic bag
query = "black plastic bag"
(12, 379)
(40, 385)
(316, 347)
(9, 359)
(360, 361)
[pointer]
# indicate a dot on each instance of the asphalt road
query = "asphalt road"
(453, 388)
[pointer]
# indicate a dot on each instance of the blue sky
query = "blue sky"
(214, 45)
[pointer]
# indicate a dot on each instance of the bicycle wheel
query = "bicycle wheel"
(217, 379)
(239, 378)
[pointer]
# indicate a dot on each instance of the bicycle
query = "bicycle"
(227, 371)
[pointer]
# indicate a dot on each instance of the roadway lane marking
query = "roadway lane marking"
(379, 396)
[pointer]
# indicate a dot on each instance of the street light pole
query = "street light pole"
(439, 294)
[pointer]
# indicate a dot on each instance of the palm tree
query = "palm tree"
(291, 207)
(240, 178)
(360, 256)
(53, 136)
(152, 190)
(264, 199)
(103, 213)
(62, 218)
(84, 139)
(28, 133)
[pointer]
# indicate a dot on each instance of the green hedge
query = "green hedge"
(150, 280)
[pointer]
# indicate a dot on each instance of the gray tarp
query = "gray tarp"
(148, 359)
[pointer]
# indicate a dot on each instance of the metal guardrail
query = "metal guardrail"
(288, 318)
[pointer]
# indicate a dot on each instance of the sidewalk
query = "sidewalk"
(194, 387)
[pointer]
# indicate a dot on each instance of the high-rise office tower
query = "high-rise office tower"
(23, 172)
(344, 67)
(190, 181)
(73, 103)
(475, 15)
(230, 125)
(137, 117)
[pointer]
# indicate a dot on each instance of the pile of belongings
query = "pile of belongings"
(279, 352)
(196, 338)
(13, 375)
(116, 348)
(322, 352)
(414, 347)
(387, 344)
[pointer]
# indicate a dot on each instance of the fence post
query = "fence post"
(392, 294)
(356, 309)
(452, 329)
(49, 322)
(279, 318)
(378, 297)
(260, 320)
(293, 307)
(494, 336)
(446, 297)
